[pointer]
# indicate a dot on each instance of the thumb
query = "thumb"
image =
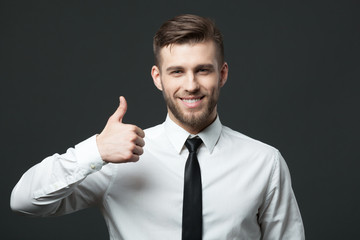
(120, 111)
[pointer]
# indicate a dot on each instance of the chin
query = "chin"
(195, 120)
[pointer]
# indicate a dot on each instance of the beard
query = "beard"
(193, 119)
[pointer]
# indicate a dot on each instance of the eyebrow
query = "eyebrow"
(172, 68)
(209, 66)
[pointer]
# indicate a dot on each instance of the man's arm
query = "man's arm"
(41, 189)
(65, 183)
(279, 216)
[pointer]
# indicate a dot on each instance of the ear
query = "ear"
(224, 74)
(155, 73)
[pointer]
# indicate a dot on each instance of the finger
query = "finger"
(139, 132)
(138, 150)
(121, 110)
(140, 142)
(134, 158)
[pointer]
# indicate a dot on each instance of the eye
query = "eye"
(204, 71)
(176, 73)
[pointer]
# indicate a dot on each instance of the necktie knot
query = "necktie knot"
(193, 144)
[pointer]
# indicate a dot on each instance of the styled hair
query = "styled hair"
(187, 28)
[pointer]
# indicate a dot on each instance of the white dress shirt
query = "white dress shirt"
(247, 191)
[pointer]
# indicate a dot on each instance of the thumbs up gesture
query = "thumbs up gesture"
(119, 142)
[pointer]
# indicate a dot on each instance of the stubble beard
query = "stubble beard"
(195, 120)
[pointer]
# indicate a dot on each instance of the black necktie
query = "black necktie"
(192, 203)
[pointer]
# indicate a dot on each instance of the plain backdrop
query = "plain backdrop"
(293, 83)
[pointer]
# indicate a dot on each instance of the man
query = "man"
(226, 186)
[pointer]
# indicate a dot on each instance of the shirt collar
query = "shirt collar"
(177, 135)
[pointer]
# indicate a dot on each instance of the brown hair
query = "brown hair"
(187, 28)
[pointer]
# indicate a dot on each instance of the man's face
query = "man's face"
(190, 77)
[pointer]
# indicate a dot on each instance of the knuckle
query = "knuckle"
(128, 155)
(132, 147)
(133, 137)
(132, 128)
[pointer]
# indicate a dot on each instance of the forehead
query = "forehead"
(188, 54)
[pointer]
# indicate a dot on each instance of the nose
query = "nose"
(191, 84)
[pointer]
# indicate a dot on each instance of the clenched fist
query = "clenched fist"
(119, 142)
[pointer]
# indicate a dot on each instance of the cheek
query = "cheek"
(168, 91)
(170, 86)
(211, 82)
(213, 87)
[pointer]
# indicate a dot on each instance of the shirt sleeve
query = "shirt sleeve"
(61, 183)
(280, 216)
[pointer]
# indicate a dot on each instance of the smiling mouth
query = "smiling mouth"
(192, 102)
(191, 99)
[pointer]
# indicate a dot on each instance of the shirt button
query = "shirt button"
(92, 166)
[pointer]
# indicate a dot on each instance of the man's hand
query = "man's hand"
(119, 142)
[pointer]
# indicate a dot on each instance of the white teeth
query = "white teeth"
(191, 100)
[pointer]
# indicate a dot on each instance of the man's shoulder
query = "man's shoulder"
(239, 139)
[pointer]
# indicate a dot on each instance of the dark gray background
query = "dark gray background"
(294, 68)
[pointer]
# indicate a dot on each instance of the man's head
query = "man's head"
(190, 70)
(187, 29)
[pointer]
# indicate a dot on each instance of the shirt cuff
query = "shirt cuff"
(88, 155)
